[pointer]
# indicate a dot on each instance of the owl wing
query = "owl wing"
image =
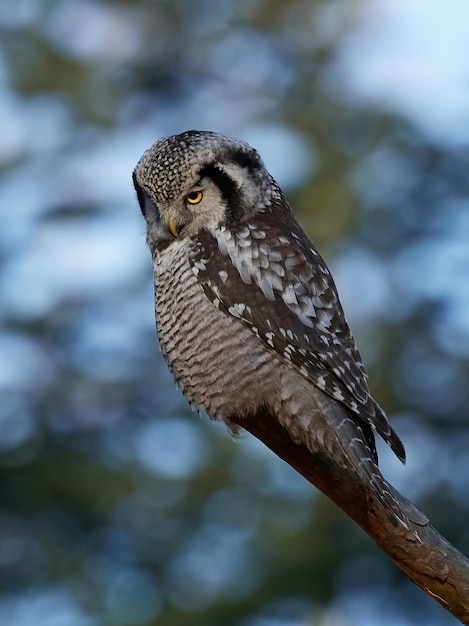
(267, 274)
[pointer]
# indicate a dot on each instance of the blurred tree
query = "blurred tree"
(118, 506)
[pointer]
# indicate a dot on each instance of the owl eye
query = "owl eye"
(194, 197)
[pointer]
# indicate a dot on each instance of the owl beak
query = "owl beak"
(172, 227)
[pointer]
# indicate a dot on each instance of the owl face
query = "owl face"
(198, 180)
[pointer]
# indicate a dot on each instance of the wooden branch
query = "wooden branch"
(427, 558)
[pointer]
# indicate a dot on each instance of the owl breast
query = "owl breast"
(218, 364)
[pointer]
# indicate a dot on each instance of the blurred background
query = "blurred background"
(118, 506)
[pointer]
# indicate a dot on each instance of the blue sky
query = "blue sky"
(413, 58)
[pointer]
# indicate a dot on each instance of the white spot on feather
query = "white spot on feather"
(237, 309)
(337, 394)
(275, 256)
(257, 234)
(289, 295)
(321, 382)
(243, 232)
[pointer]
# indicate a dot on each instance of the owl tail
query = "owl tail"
(349, 442)
(379, 423)
(355, 449)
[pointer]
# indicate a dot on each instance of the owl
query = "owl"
(248, 315)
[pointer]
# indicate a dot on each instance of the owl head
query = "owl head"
(197, 180)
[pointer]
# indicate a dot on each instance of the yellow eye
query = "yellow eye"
(194, 197)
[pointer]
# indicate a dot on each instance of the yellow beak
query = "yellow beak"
(172, 227)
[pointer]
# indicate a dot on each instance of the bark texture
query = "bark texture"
(424, 555)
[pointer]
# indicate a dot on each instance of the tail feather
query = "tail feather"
(371, 415)
(384, 428)
(351, 443)
(322, 423)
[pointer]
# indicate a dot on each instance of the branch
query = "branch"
(427, 558)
